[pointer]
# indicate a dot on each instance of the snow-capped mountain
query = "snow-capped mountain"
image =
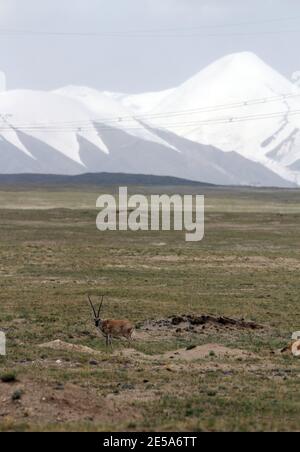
(50, 118)
(235, 122)
(106, 110)
(140, 103)
(237, 103)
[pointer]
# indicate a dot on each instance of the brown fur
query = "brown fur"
(117, 328)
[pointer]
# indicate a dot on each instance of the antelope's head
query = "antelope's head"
(97, 318)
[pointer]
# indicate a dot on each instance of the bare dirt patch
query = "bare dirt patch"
(258, 262)
(191, 353)
(66, 346)
(204, 351)
(41, 402)
(188, 354)
(196, 323)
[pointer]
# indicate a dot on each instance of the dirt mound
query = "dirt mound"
(194, 322)
(45, 402)
(191, 353)
(187, 354)
(65, 346)
(205, 351)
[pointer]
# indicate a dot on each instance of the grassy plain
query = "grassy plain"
(248, 266)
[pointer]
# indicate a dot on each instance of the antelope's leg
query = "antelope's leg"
(106, 340)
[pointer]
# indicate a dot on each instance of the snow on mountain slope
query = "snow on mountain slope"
(107, 110)
(206, 109)
(296, 78)
(50, 118)
(140, 104)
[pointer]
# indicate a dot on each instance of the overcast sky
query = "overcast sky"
(129, 61)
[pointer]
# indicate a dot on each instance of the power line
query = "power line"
(221, 120)
(212, 109)
(195, 111)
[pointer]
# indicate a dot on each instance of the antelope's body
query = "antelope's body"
(110, 328)
(116, 328)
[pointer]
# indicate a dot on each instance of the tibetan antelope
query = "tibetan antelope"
(111, 328)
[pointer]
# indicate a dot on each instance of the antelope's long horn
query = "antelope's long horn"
(100, 305)
(92, 306)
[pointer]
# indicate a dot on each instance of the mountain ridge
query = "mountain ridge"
(102, 179)
(218, 126)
